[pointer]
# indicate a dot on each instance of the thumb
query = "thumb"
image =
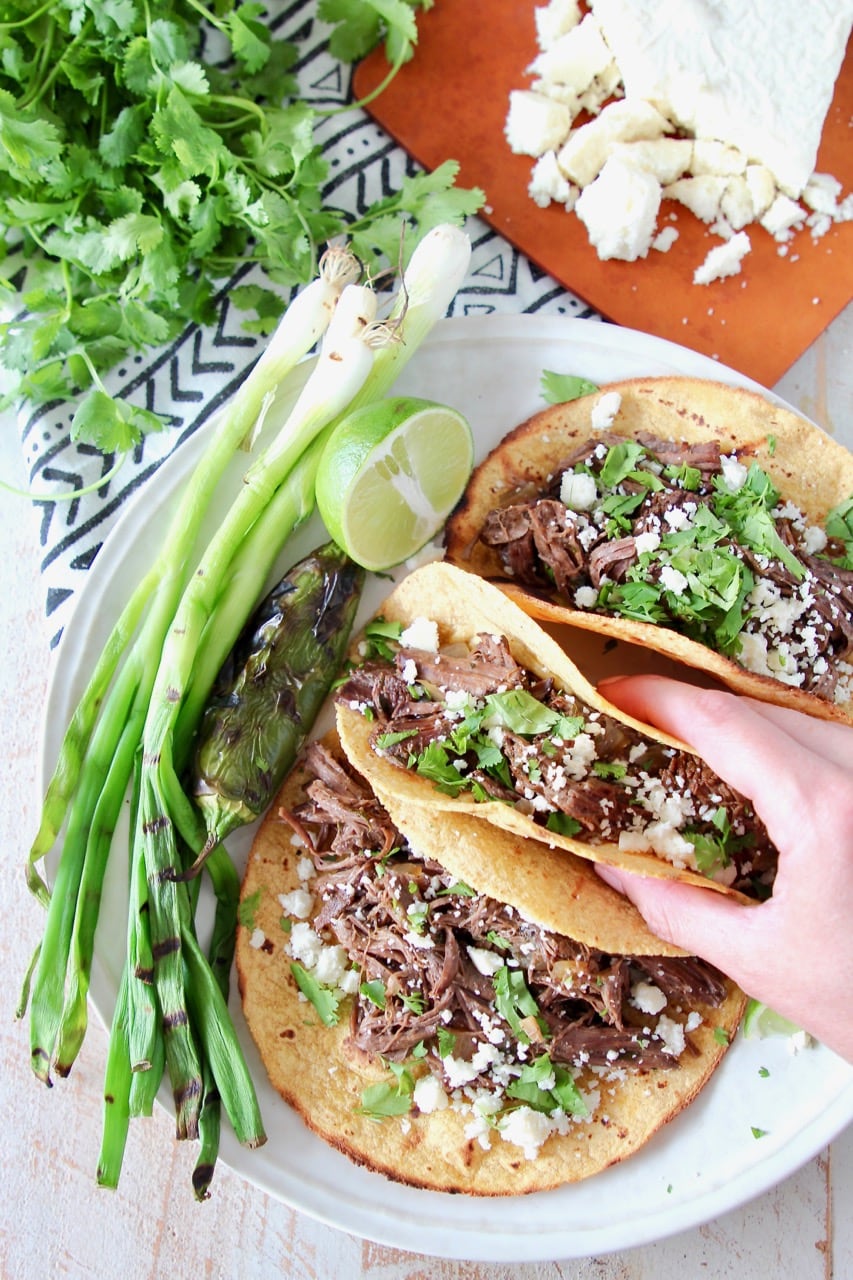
(700, 921)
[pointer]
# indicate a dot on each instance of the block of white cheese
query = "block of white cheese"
(758, 76)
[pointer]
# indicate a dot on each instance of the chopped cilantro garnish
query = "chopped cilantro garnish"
(415, 1003)
(324, 999)
(563, 824)
(520, 712)
(285, 924)
(434, 763)
(513, 1000)
(386, 740)
(374, 992)
(763, 1072)
(684, 476)
(609, 769)
(446, 1042)
(248, 907)
(497, 941)
(418, 917)
(377, 633)
(460, 888)
(388, 1097)
(621, 460)
(839, 525)
(560, 388)
(721, 1035)
(545, 1086)
(758, 1133)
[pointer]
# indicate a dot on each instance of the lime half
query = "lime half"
(760, 1021)
(390, 475)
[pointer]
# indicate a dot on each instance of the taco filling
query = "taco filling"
(470, 719)
(466, 1005)
(685, 536)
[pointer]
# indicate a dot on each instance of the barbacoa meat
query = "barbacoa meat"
(546, 546)
(545, 774)
(406, 923)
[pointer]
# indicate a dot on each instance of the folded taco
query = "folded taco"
(464, 1034)
(697, 519)
(459, 700)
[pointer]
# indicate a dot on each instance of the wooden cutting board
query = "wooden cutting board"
(451, 101)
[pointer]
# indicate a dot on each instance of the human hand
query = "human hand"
(794, 952)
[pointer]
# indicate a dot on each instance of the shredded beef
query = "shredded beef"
(552, 549)
(431, 981)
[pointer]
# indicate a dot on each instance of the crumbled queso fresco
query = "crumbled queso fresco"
(723, 122)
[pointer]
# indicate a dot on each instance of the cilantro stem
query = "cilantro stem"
(69, 494)
(402, 57)
(25, 21)
(30, 101)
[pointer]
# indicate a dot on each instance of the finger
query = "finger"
(826, 738)
(700, 921)
(754, 755)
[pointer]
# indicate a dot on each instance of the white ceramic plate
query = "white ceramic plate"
(706, 1161)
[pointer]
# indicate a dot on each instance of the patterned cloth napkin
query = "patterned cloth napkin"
(189, 380)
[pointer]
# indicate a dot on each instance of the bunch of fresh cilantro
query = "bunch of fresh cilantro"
(139, 172)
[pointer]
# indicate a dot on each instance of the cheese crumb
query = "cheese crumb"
(723, 260)
(604, 410)
(422, 633)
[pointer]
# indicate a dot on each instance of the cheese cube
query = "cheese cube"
(535, 124)
(619, 210)
(547, 183)
(762, 188)
(575, 58)
(710, 156)
(553, 19)
(736, 203)
(783, 214)
(585, 151)
(666, 158)
(701, 195)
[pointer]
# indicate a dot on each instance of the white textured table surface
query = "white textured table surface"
(54, 1221)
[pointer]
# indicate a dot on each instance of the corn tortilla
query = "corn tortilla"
(464, 605)
(319, 1073)
(807, 466)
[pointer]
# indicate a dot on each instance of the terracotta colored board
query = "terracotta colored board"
(451, 101)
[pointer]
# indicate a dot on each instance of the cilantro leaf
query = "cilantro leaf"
(324, 999)
(514, 1001)
(141, 176)
(560, 388)
(547, 1087)
(519, 711)
(247, 909)
(388, 1097)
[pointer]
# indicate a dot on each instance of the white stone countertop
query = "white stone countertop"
(54, 1221)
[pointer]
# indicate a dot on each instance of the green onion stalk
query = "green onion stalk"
(90, 780)
(138, 716)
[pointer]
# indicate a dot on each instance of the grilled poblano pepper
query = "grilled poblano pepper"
(271, 689)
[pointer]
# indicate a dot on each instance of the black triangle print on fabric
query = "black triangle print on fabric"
(55, 597)
(86, 558)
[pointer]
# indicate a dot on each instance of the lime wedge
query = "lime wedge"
(760, 1021)
(390, 475)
